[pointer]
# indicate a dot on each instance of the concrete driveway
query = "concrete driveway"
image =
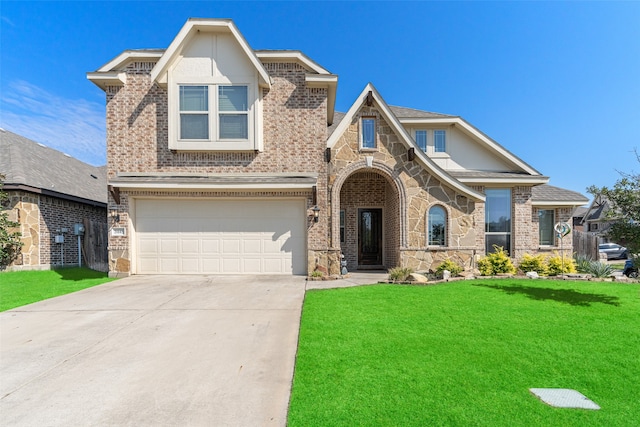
(154, 350)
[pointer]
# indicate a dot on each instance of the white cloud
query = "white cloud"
(73, 126)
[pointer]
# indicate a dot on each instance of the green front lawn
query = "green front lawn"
(19, 288)
(466, 353)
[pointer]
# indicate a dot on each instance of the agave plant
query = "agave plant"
(599, 269)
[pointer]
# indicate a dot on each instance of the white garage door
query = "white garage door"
(220, 237)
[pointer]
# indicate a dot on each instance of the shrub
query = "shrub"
(599, 269)
(496, 263)
(316, 273)
(583, 264)
(555, 264)
(454, 268)
(400, 274)
(10, 242)
(537, 263)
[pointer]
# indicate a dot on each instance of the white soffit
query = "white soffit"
(288, 56)
(193, 26)
(111, 74)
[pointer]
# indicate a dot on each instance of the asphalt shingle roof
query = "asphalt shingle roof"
(400, 113)
(549, 193)
(26, 162)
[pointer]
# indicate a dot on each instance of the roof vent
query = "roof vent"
(41, 145)
(66, 154)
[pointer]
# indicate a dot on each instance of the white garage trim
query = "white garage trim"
(219, 236)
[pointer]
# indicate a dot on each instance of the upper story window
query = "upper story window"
(194, 112)
(421, 139)
(233, 112)
(225, 115)
(439, 141)
(368, 132)
(545, 223)
(210, 116)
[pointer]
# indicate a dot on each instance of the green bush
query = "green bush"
(496, 263)
(400, 274)
(583, 264)
(537, 263)
(555, 264)
(599, 269)
(454, 268)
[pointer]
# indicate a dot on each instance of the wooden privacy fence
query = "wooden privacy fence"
(585, 244)
(94, 245)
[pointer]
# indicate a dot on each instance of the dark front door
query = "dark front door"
(369, 236)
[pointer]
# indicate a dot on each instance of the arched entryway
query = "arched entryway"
(370, 217)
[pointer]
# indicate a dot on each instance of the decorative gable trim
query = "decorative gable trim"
(159, 73)
(376, 100)
(478, 135)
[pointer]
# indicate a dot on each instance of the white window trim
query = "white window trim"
(361, 133)
(447, 226)
(445, 142)
(254, 142)
(542, 245)
(426, 138)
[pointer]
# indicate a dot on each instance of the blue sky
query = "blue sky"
(556, 83)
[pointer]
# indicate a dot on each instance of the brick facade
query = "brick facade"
(42, 218)
(294, 133)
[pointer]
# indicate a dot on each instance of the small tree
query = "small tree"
(10, 243)
(625, 210)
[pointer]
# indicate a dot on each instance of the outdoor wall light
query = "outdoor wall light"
(115, 216)
(316, 213)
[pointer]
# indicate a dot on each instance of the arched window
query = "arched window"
(437, 226)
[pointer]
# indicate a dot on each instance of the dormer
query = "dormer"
(214, 85)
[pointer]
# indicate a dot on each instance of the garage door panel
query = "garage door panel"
(189, 264)
(168, 265)
(251, 264)
(189, 246)
(168, 246)
(210, 246)
(251, 246)
(231, 246)
(220, 236)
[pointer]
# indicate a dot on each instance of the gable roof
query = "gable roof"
(192, 27)
(31, 166)
(598, 210)
(403, 136)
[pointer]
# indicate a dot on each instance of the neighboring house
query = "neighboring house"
(578, 215)
(222, 159)
(597, 220)
(48, 194)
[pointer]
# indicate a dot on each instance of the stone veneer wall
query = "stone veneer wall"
(295, 132)
(41, 218)
(418, 192)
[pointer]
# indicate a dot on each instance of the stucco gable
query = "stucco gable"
(193, 27)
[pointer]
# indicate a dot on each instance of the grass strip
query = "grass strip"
(18, 288)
